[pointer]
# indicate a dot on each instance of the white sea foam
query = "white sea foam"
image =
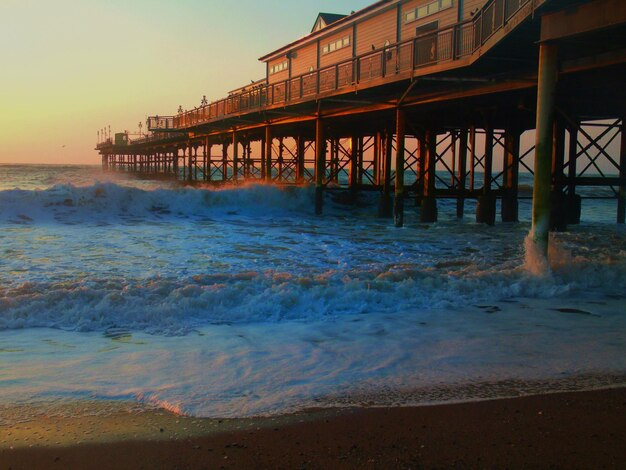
(241, 301)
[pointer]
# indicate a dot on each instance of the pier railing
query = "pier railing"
(445, 45)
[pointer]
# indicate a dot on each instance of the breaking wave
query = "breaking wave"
(112, 202)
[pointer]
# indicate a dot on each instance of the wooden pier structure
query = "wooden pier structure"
(420, 100)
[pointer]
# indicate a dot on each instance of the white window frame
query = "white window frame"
(336, 45)
(281, 67)
(428, 9)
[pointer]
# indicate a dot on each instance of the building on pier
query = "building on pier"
(419, 100)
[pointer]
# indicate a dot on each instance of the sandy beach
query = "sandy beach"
(564, 430)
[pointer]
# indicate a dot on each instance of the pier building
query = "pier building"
(420, 100)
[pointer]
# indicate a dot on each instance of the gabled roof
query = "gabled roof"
(326, 19)
(339, 23)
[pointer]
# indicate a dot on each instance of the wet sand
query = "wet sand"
(564, 430)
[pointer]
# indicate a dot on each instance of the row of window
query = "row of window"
(336, 45)
(427, 10)
(412, 15)
(279, 67)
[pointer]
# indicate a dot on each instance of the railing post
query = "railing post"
(383, 63)
(455, 41)
(317, 92)
(337, 77)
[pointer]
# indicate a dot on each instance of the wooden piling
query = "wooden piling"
(428, 209)
(385, 204)
(486, 207)
(320, 164)
(235, 176)
(510, 204)
(558, 203)
(547, 78)
(224, 161)
(353, 179)
(268, 153)
(300, 150)
(621, 201)
(573, 200)
(398, 204)
(462, 174)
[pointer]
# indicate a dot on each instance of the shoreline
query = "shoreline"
(554, 430)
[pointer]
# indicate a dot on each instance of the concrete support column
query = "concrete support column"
(510, 204)
(462, 171)
(398, 204)
(428, 211)
(547, 78)
(320, 164)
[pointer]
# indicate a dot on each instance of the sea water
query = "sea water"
(239, 302)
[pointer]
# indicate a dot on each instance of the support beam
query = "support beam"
(398, 204)
(300, 149)
(224, 162)
(376, 160)
(486, 207)
(235, 157)
(621, 202)
(384, 207)
(510, 203)
(558, 203)
(573, 200)
(547, 78)
(268, 153)
(190, 164)
(280, 159)
(428, 210)
(174, 163)
(354, 167)
(320, 165)
(462, 171)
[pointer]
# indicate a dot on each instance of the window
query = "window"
(279, 67)
(336, 45)
(427, 10)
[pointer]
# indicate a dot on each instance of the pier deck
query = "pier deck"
(446, 113)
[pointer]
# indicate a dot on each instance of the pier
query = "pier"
(420, 100)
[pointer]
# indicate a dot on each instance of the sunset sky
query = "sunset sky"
(71, 67)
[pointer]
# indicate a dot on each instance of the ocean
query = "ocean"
(240, 302)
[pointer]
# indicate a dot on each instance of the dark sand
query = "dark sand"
(566, 430)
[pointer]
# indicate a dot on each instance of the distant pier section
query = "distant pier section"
(420, 100)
